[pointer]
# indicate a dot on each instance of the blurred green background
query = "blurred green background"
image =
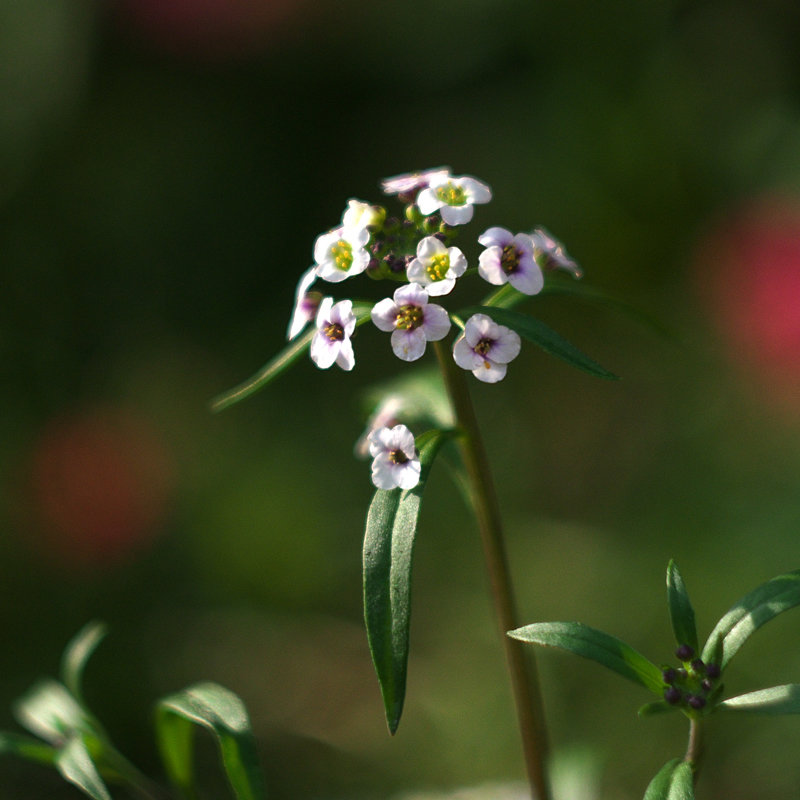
(165, 166)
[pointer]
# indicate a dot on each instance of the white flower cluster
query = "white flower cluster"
(418, 253)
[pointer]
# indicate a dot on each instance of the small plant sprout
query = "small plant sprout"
(424, 412)
(694, 685)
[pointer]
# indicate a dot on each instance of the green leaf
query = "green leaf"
(51, 712)
(674, 781)
(279, 364)
(27, 747)
(388, 549)
(749, 614)
(575, 637)
(75, 765)
(540, 334)
(77, 653)
(775, 700)
(655, 708)
(222, 713)
(681, 612)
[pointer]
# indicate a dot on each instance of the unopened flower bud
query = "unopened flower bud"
(707, 684)
(713, 670)
(698, 666)
(696, 702)
(672, 695)
(684, 652)
(669, 675)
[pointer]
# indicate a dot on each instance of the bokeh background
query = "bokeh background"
(165, 166)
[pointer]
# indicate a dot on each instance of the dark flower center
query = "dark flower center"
(333, 332)
(408, 317)
(509, 261)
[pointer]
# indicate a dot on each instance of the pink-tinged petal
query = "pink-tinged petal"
(383, 474)
(479, 326)
(324, 313)
(436, 323)
(524, 243)
(528, 278)
(477, 191)
(458, 262)
(403, 439)
(346, 358)
(506, 347)
(409, 181)
(412, 294)
(342, 313)
(489, 372)
(430, 246)
(328, 271)
(489, 267)
(407, 475)
(409, 345)
(416, 272)
(384, 314)
(323, 351)
(464, 355)
(380, 441)
(457, 215)
(495, 236)
(428, 202)
(442, 287)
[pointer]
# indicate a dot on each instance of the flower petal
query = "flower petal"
(457, 215)
(409, 345)
(489, 266)
(323, 352)
(495, 236)
(464, 355)
(506, 347)
(436, 322)
(346, 358)
(490, 372)
(384, 314)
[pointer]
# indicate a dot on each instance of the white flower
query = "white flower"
(550, 253)
(510, 258)
(436, 267)
(331, 343)
(341, 253)
(306, 303)
(412, 320)
(410, 182)
(454, 197)
(395, 458)
(485, 348)
(362, 215)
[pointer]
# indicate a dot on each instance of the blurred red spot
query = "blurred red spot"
(210, 27)
(749, 270)
(99, 486)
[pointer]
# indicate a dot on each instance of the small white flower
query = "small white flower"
(550, 253)
(412, 320)
(436, 267)
(306, 303)
(485, 348)
(395, 458)
(411, 182)
(331, 343)
(510, 258)
(361, 215)
(453, 197)
(341, 253)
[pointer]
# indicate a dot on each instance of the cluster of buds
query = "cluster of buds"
(417, 251)
(692, 684)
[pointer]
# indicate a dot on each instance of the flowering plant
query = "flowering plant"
(417, 249)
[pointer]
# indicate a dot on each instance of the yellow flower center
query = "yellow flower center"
(408, 318)
(398, 457)
(509, 261)
(342, 253)
(483, 347)
(333, 332)
(451, 194)
(438, 266)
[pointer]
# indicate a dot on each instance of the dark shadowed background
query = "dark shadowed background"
(165, 166)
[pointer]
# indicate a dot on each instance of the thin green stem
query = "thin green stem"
(524, 677)
(694, 751)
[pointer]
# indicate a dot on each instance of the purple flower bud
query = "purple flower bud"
(707, 684)
(696, 702)
(672, 695)
(684, 652)
(669, 675)
(713, 670)
(698, 666)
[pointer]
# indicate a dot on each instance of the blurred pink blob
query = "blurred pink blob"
(99, 486)
(748, 267)
(211, 27)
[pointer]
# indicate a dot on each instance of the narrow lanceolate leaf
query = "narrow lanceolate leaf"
(575, 637)
(77, 653)
(388, 550)
(545, 337)
(674, 781)
(272, 369)
(75, 765)
(749, 614)
(222, 713)
(27, 747)
(50, 711)
(681, 612)
(775, 700)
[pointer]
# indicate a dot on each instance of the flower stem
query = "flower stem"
(524, 677)
(694, 751)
